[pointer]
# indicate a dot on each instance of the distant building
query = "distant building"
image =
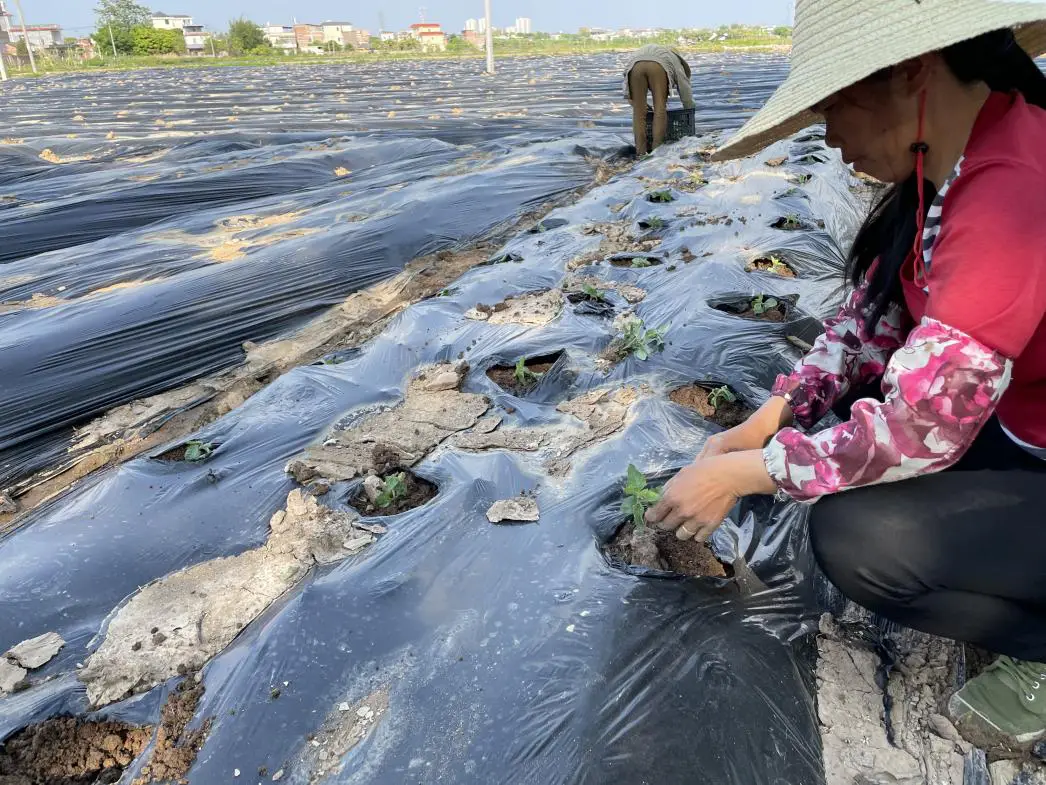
(431, 36)
(357, 39)
(483, 25)
(308, 35)
(475, 38)
(386, 36)
(196, 39)
(471, 26)
(38, 37)
(524, 26)
(335, 31)
(281, 37)
(162, 21)
(5, 19)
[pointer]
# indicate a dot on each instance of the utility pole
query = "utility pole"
(25, 33)
(112, 40)
(211, 39)
(490, 37)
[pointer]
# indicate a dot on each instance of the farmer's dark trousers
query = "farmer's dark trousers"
(960, 554)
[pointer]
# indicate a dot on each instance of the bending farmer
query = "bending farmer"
(929, 495)
(654, 69)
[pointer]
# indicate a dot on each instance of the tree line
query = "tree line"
(126, 26)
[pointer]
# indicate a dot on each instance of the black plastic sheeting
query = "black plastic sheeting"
(120, 194)
(513, 654)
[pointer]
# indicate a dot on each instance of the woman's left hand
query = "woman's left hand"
(697, 500)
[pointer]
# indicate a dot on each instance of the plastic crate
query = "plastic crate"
(681, 122)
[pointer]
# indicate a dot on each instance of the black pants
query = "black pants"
(960, 554)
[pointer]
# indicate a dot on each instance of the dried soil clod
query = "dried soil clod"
(533, 310)
(697, 397)
(176, 745)
(521, 509)
(36, 652)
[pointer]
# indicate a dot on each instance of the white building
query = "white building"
(471, 26)
(162, 21)
(196, 39)
(335, 31)
(524, 26)
(37, 37)
(5, 20)
(482, 25)
(281, 37)
(386, 36)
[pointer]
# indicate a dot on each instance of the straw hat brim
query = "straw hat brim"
(828, 63)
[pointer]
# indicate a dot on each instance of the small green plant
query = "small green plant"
(448, 292)
(654, 223)
(761, 304)
(778, 267)
(641, 261)
(638, 497)
(803, 179)
(593, 293)
(393, 489)
(721, 395)
(639, 341)
(524, 376)
(196, 451)
(661, 197)
(791, 221)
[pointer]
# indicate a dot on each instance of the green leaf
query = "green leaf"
(196, 451)
(641, 353)
(634, 481)
(638, 517)
(770, 303)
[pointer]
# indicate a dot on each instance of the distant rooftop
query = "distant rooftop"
(162, 15)
(348, 24)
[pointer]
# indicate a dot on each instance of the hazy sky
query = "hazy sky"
(77, 16)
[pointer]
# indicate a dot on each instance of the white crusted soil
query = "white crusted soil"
(179, 622)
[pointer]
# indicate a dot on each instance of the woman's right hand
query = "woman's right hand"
(753, 433)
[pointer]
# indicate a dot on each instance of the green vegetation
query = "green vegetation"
(393, 488)
(761, 304)
(791, 222)
(638, 497)
(655, 223)
(640, 262)
(721, 395)
(778, 267)
(524, 376)
(661, 197)
(639, 341)
(593, 293)
(245, 37)
(124, 15)
(197, 451)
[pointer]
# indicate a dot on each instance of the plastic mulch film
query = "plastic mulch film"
(436, 645)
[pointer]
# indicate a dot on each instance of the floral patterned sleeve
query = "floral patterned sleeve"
(847, 354)
(940, 388)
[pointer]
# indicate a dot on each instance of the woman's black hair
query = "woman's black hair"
(888, 234)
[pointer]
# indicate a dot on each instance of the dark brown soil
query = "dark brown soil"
(176, 746)
(175, 455)
(695, 397)
(419, 492)
(71, 751)
(658, 550)
(618, 261)
(504, 376)
(775, 314)
(386, 460)
(74, 751)
(765, 265)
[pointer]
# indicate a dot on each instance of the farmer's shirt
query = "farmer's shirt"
(674, 65)
(968, 343)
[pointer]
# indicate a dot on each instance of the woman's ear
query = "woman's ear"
(913, 76)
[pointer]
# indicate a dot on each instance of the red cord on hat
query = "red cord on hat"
(920, 148)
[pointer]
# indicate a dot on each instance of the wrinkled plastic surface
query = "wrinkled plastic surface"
(511, 654)
(154, 221)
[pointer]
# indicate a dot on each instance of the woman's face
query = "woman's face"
(874, 123)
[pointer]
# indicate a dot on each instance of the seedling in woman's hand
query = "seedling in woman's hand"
(638, 497)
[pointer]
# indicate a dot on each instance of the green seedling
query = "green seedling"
(593, 293)
(761, 304)
(641, 342)
(721, 395)
(524, 376)
(655, 223)
(641, 261)
(790, 221)
(661, 196)
(196, 451)
(803, 179)
(448, 292)
(638, 497)
(393, 489)
(778, 267)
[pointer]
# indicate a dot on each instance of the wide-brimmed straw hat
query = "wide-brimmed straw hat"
(837, 43)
